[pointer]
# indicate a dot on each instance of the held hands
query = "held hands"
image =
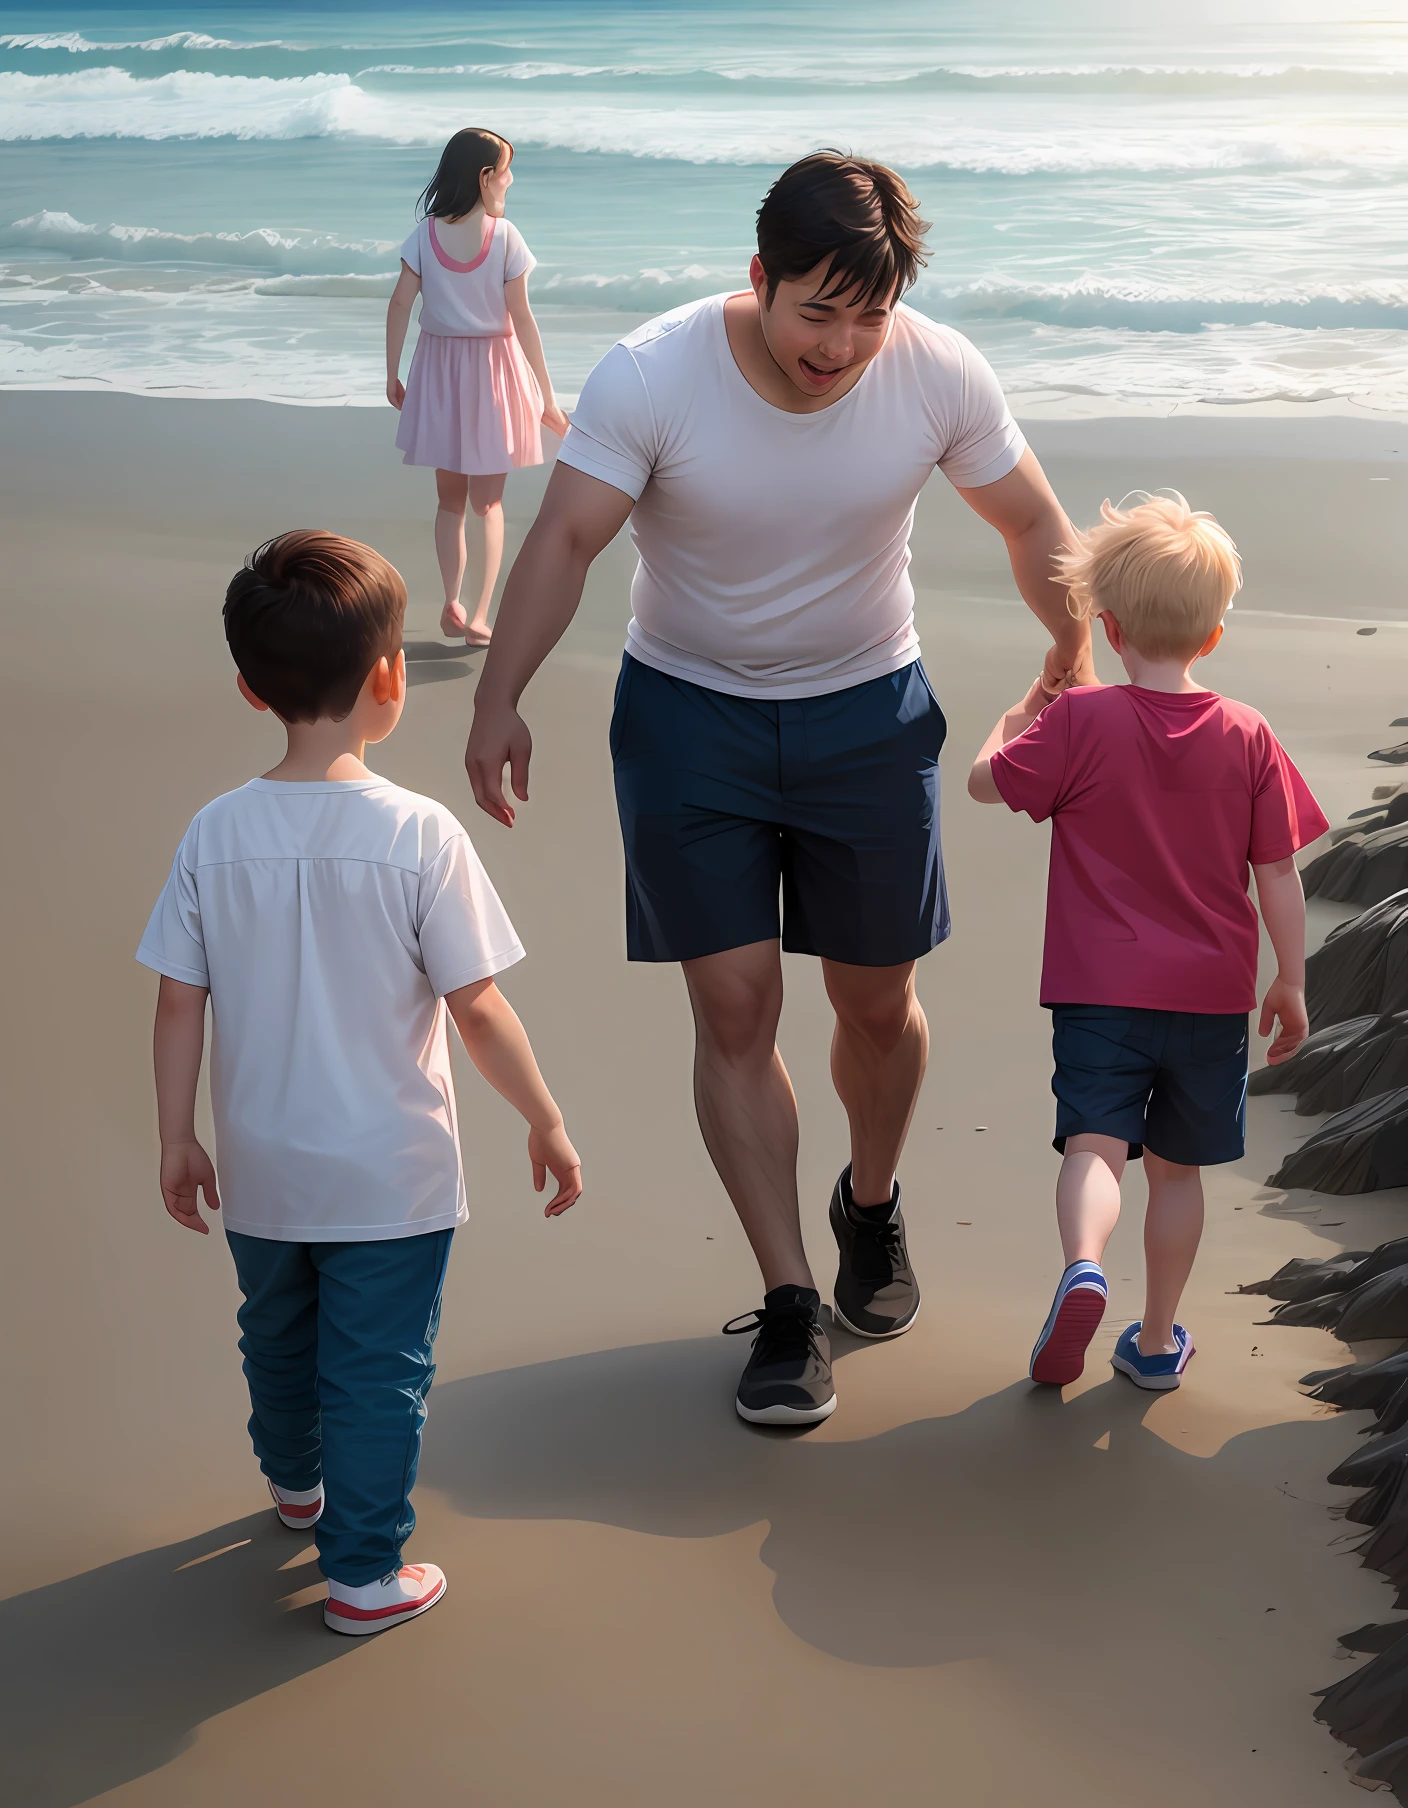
(395, 391)
(1059, 671)
(185, 1170)
(1044, 690)
(551, 1153)
(555, 420)
(1021, 715)
(498, 738)
(1286, 1004)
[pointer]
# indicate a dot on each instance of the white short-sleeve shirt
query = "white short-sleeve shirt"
(774, 547)
(466, 300)
(329, 921)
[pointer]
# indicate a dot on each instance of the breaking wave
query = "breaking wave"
(108, 102)
(314, 264)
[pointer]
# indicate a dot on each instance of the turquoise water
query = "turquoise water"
(1127, 208)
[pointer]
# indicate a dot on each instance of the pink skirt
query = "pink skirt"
(472, 405)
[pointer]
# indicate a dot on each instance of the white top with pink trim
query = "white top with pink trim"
(461, 300)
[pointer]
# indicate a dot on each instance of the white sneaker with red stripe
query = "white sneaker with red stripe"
(299, 1508)
(413, 1589)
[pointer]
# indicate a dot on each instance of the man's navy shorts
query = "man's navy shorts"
(830, 803)
(1174, 1082)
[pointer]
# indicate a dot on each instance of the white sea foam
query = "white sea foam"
(308, 253)
(111, 102)
(879, 65)
(1142, 304)
(314, 264)
(78, 45)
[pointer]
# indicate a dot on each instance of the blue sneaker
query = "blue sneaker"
(1157, 1372)
(1075, 1314)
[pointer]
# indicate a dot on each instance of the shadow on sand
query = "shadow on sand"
(109, 1673)
(1016, 1527)
(431, 662)
(976, 1534)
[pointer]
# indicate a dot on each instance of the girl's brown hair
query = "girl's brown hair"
(454, 190)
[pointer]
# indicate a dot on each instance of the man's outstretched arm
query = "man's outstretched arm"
(580, 515)
(1023, 508)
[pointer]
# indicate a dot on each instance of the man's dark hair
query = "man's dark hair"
(856, 217)
(308, 617)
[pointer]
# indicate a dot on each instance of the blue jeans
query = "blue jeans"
(337, 1340)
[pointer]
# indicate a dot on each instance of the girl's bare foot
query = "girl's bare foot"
(453, 621)
(477, 635)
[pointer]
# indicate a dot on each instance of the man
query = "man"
(773, 729)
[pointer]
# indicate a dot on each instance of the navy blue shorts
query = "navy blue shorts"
(831, 803)
(1174, 1082)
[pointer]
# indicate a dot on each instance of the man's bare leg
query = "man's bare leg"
(745, 1103)
(878, 1055)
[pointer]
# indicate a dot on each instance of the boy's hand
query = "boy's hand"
(1045, 689)
(551, 1153)
(185, 1170)
(1286, 1003)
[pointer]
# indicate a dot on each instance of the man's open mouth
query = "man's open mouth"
(816, 374)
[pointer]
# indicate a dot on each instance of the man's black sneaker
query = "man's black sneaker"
(787, 1380)
(876, 1294)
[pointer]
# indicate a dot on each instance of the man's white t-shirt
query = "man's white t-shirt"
(774, 547)
(329, 921)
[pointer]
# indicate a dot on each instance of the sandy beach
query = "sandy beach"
(931, 1596)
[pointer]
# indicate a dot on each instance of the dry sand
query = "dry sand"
(954, 1590)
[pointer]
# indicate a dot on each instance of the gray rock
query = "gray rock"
(1300, 1279)
(1358, 1150)
(1362, 967)
(1320, 1053)
(1366, 865)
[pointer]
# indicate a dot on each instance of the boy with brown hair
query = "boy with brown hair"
(1161, 795)
(333, 921)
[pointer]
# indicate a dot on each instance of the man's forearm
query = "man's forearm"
(541, 597)
(1032, 553)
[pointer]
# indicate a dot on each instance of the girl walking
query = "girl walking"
(478, 391)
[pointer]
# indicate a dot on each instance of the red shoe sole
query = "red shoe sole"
(358, 1621)
(1063, 1358)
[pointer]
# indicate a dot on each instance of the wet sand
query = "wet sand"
(954, 1589)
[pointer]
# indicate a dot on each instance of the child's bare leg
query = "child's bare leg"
(452, 493)
(1088, 1194)
(1173, 1226)
(486, 498)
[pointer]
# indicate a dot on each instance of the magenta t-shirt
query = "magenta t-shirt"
(1159, 803)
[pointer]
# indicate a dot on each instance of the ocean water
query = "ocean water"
(1133, 204)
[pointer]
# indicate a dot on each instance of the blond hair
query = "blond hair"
(1167, 573)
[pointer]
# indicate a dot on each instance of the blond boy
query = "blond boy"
(1161, 795)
